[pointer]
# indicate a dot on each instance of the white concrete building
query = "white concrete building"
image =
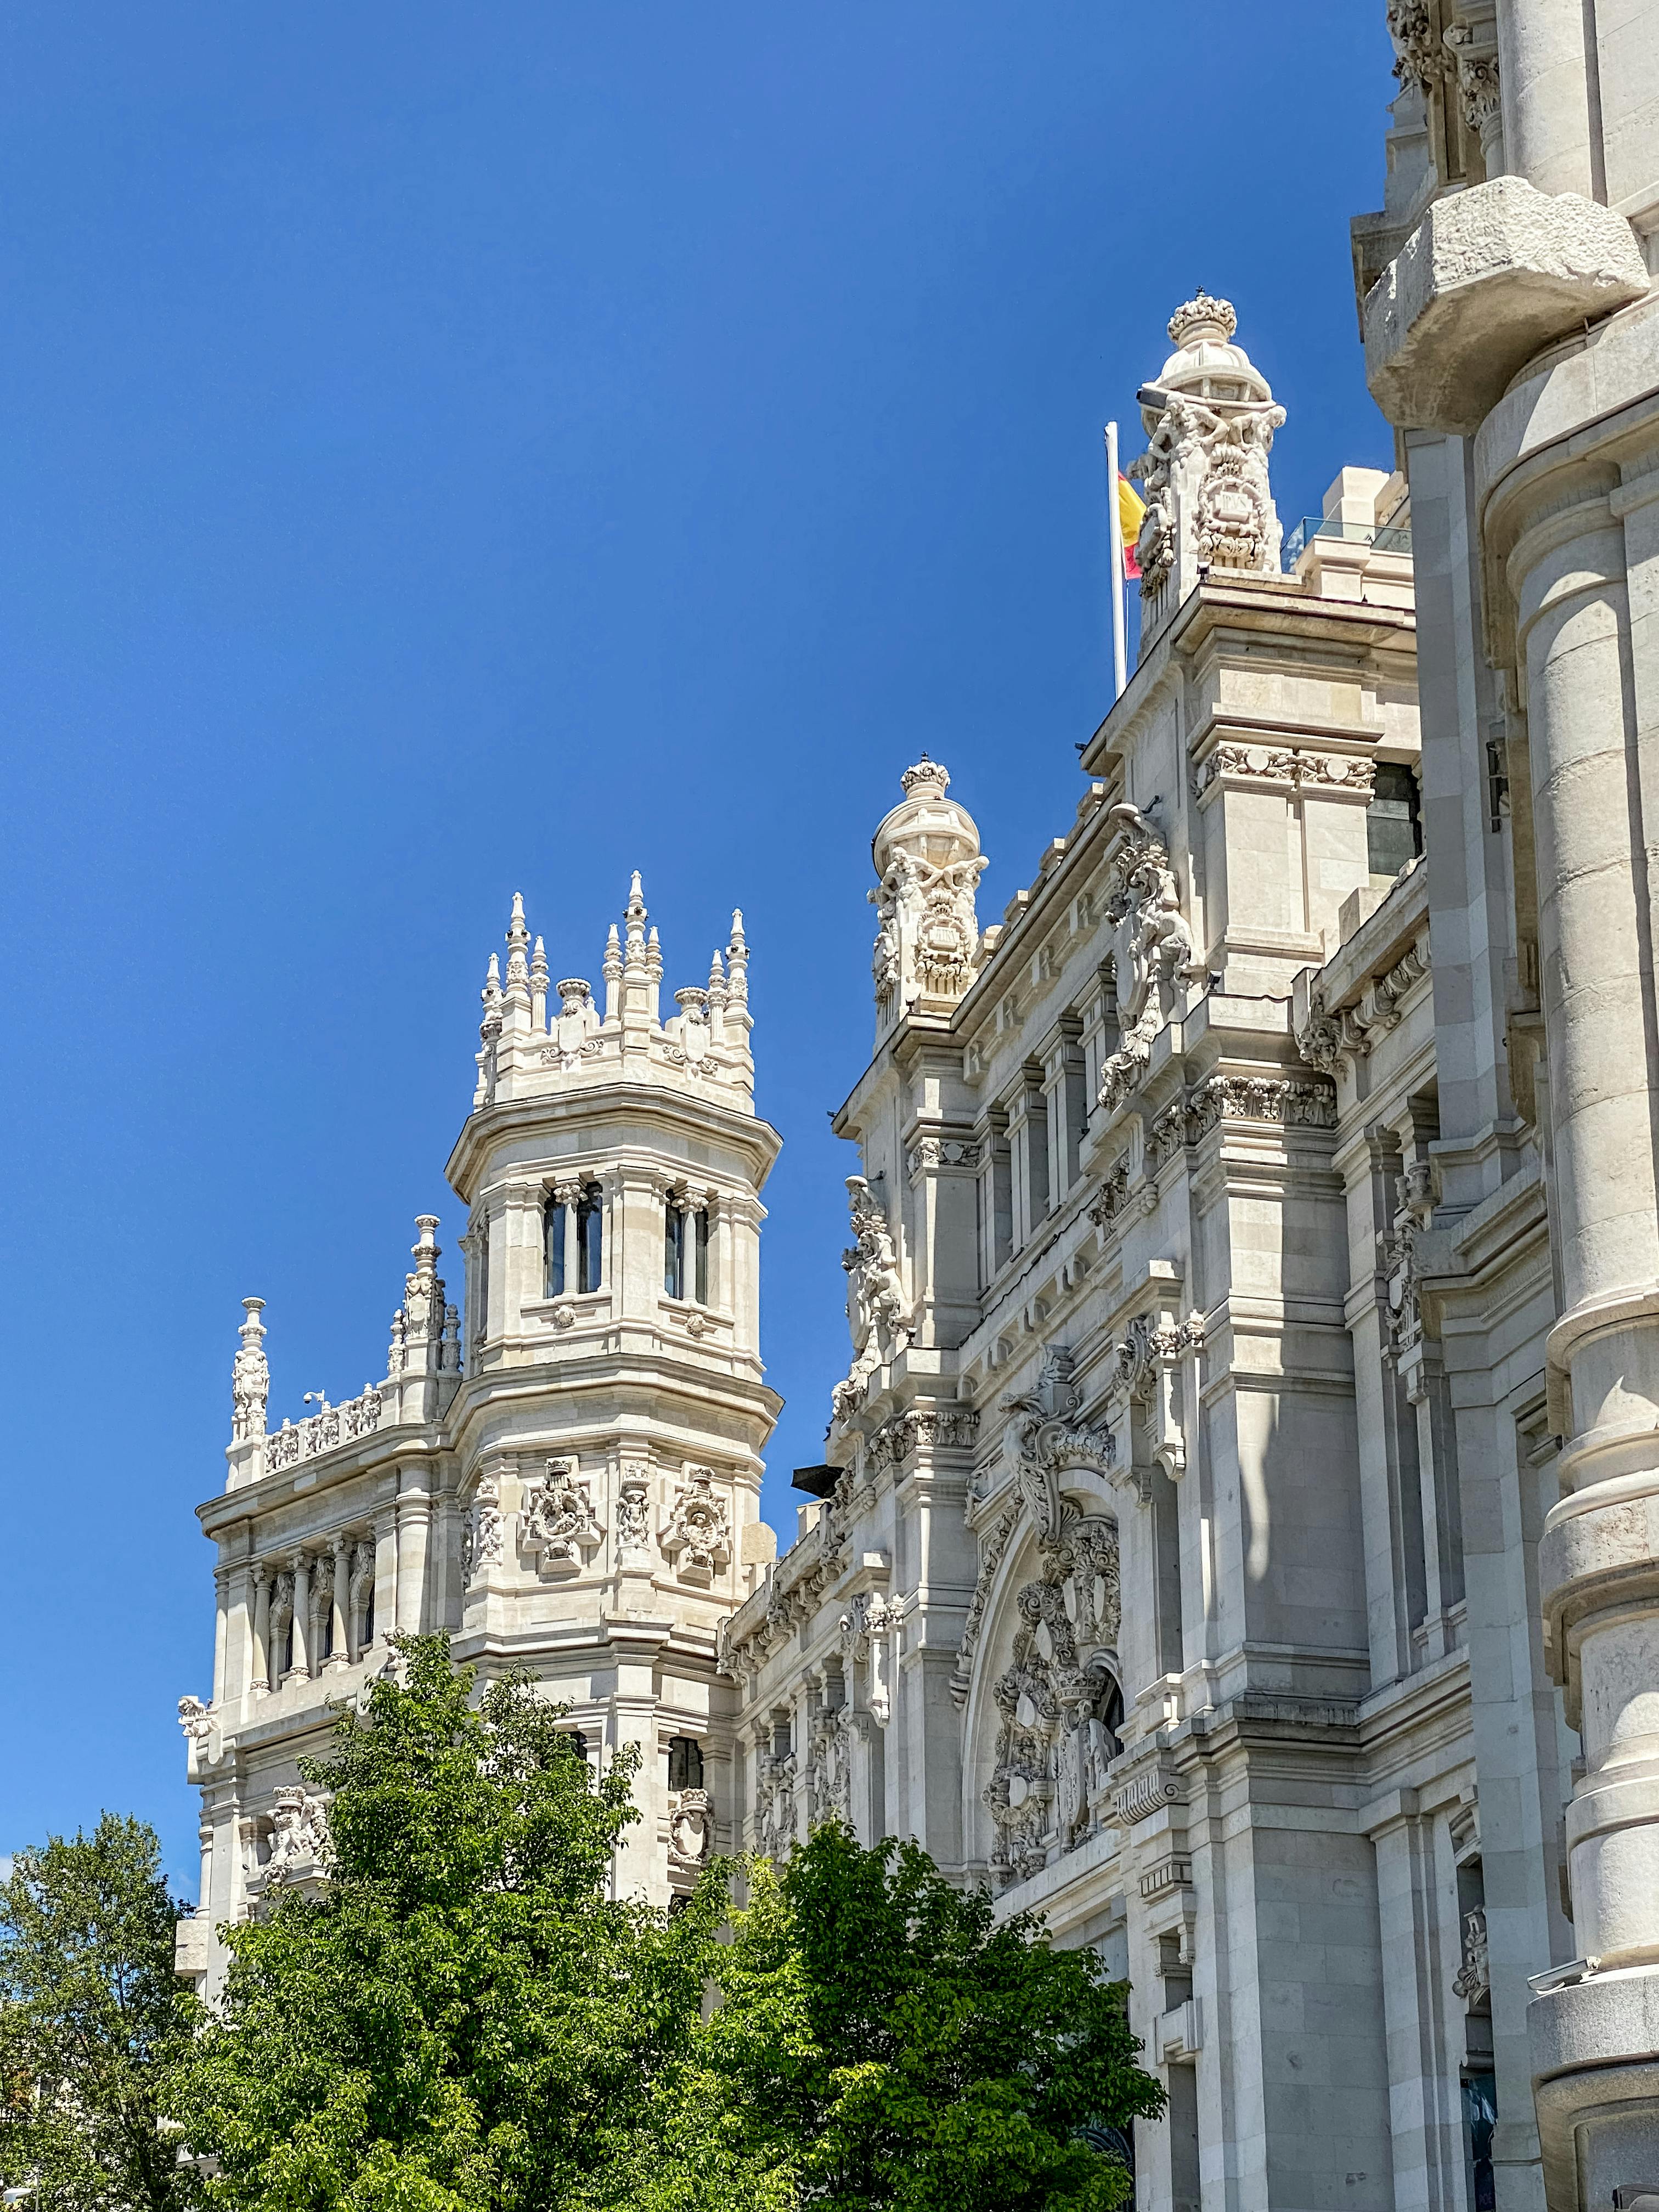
(579, 1495)
(1238, 1529)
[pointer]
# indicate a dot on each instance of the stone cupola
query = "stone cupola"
(929, 864)
(1210, 420)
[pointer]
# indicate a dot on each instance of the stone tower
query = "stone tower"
(579, 1493)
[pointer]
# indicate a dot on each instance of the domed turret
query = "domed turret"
(927, 858)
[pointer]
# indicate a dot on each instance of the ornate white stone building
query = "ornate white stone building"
(579, 1493)
(1238, 1528)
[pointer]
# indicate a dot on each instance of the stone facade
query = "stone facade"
(567, 1477)
(1237, 1534)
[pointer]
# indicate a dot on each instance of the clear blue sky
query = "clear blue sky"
(447, 451)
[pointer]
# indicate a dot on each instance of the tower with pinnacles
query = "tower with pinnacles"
(565, 1479)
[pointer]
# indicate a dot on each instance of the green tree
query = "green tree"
(886, 2042)
(464, 2018)
(466, 2022)
(91, 2016)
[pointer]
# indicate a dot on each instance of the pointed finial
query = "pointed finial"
(636, 898)
(538, 961)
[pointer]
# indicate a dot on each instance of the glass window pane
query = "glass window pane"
(555, 1251)
(702, 1219)
(588, 1239)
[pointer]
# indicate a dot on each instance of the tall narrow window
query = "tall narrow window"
(368, 1619)
(685, 1251)
(553, 1241)
(483, 1283)
(1393, 827)
(590, 1232)
(685, 1763)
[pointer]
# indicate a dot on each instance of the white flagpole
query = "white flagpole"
(1114, 531)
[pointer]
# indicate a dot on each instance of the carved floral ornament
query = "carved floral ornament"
(927, 857)
(1284, 764)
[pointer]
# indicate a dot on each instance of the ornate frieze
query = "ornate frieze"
(1287, 765)
(929, 1155)
(926, 1428)
(1273, 1099)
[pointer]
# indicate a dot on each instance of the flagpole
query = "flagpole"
(1114, 527)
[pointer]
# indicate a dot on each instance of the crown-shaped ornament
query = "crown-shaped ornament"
(926, 773)
(1202, 317)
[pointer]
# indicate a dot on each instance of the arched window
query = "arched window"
(686, 1250)
(590, 1233)
(685, 1763)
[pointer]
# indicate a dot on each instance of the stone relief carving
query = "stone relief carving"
(482, 1530)
(775, 1802)
(948, 1428)
(928, 861)
(1473, 1981)
(868, 1629)
(287, 1849)
(1332, 1038)
(993, 1545)
(1057, 1701)
(875, 1309)
(558, 1525)
(250, 1376)
(634, 1515)
(690, 1829)
(698, 1533)
(1047, 1444)
(831, 1768)
(1280, 764)
(1155, 951)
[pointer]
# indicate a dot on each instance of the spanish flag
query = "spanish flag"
(1131, 508)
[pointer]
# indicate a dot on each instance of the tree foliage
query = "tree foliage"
(467, 2021)
(91, 2017)
(888, 2042)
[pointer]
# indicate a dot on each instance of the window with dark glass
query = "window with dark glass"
(590, 1217)
(368, 1619)
(685, 1763)
(1394, 824)
(553, 1220)
(685, 1251)
(577, 1741)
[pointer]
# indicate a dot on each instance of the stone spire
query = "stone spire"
(1210, 420)
(929, 864)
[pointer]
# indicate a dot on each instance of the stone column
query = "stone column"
(220, 1631)
(301, 1565)
(261, 1682)
(1592, 702)
(1547, 130)
(340, 1639)
(414, 1527)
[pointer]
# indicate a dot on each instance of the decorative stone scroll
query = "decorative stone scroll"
(1334, 1038)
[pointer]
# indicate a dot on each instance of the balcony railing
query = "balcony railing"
(1391, 537)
